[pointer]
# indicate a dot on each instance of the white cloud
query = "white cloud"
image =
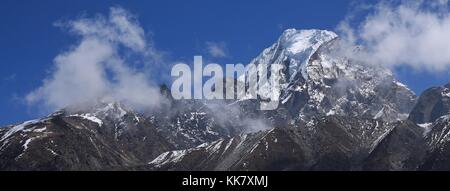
(406, 33)
(94, 70)
(216, 49)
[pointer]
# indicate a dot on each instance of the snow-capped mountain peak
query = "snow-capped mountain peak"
(294, 49)
(112, 110)
(317, 79)
(301, 45)
(298, 41)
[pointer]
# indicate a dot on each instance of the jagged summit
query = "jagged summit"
(113, 109)
(297, 41)
(319, 80)
(294, 49)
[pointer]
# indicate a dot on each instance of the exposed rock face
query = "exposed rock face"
(434, 103)
(438, 140)
(336, 143)
(109, 138)
(403, 148)
(318, 80)
(420, 143)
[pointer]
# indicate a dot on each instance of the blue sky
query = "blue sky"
(29, 41)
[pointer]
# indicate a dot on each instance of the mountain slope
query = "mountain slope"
(438, 140)
(335, 114)
(404, 148)
(331, 143)
(432, 104)
(420, 143)
(107, 138)
(319, 80)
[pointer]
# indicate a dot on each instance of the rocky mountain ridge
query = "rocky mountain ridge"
(335, 114)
